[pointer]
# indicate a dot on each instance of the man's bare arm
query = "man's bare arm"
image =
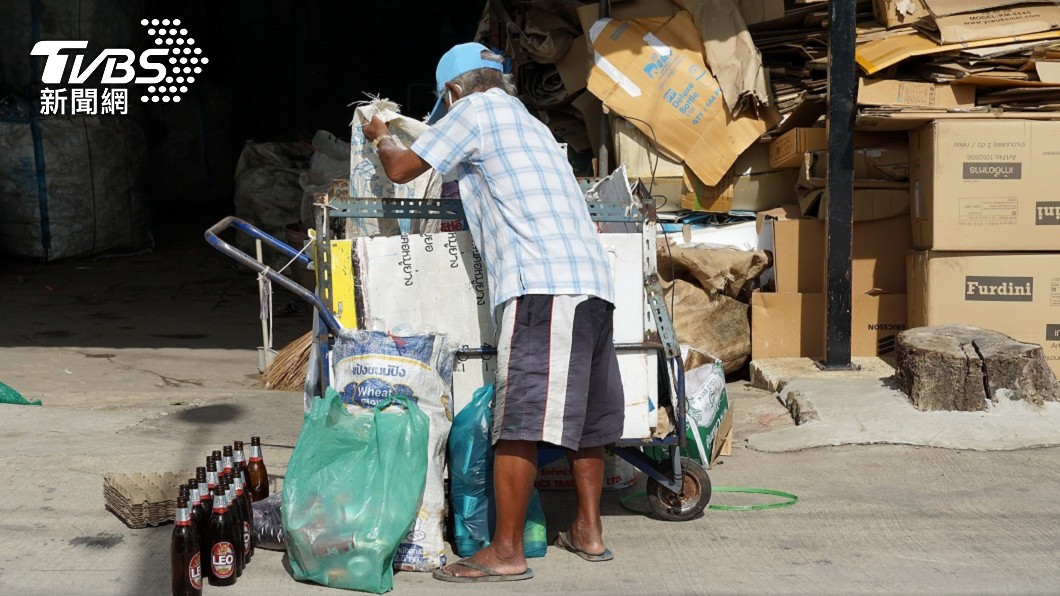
(400, 165)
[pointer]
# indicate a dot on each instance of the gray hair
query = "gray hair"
(482, 79)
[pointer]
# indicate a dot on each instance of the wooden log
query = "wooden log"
(960, 367)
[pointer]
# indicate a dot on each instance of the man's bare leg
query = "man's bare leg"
(514, 471)
(586, 531)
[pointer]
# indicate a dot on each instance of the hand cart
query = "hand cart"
(678, 487)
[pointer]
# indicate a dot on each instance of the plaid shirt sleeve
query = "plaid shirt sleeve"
(453, 140)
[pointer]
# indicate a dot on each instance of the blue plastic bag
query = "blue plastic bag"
(352, 490)
(471, 473)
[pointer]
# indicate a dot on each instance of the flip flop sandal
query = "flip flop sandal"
(492, 575)
(563, 541)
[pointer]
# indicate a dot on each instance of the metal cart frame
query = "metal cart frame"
(678, 487)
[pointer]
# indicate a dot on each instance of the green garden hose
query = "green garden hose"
(790, 499)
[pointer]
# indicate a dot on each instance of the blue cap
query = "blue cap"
(457, 61)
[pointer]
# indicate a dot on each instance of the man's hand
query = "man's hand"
(400, 165)
(374, 129)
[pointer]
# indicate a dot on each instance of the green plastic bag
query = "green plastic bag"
(352, 490)
(10, 396)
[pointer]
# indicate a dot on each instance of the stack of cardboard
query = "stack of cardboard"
(980, 79)
(986, 226)
(142, 500)
(695, 56)
(959, 59)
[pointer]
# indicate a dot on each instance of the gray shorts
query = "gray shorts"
(557, 372)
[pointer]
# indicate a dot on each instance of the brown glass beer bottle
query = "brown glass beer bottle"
(226, 459)
(184, 554)
(259, 476)
(239, 459)
(243, 501)
(211, 473)
(220, 538)
(236, 513)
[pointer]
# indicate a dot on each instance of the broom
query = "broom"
(287, 370)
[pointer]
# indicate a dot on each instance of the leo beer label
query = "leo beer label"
(223, 560)
(195, 572)
(246, 535)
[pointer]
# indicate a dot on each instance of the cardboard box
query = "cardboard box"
(643, 160)
(942, 8)
(1017, 294)
(786, 151)
(889, 164)
(898, 13)
(998, 22)
(893, 122)
(656, 74)
(750, 185)
(793, 325)
(889, 200)
(911, 94)
(986, 185)
(798, 247)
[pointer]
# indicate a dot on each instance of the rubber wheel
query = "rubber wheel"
(693, 498)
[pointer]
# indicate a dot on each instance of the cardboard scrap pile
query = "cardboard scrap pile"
(719, 106)
(959, 59)
(142, 500)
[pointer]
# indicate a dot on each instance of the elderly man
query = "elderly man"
(552, 289)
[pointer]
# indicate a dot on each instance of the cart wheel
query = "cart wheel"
(694, 496)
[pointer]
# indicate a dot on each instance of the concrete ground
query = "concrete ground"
(145, 363)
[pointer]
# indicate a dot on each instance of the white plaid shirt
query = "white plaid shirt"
(522, 201)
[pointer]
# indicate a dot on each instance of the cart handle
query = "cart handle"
(212, 236)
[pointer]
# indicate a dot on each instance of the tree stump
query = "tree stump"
(959, 367)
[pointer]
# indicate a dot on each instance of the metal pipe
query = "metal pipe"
(842, 80)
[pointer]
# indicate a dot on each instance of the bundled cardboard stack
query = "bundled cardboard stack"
(142, 500)
(959, 59)
(986, 226)
(976, 81)
(695, 56)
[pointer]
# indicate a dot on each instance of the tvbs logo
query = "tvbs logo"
(166, 70)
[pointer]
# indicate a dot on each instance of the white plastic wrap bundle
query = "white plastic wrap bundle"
(367, 178)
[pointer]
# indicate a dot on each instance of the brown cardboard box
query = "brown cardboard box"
(793, 325)
(798, 247)
(656, 77)
(889, 163)
(750, 185)
(890, 199)
(898, 13)
(644, 161)
(912, 94)
(999, 22)
(786, 151)
(942, 8)
(1017, 294)
(986, 185)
